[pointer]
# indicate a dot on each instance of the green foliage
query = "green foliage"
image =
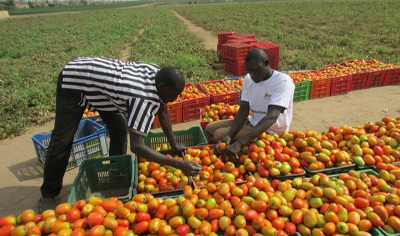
(310, 34)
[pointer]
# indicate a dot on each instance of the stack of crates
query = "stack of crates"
(272, 51)
(235, 51)
(222, 38)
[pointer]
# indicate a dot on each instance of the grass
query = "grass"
(310, 34)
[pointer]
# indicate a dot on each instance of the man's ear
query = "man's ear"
(266, 62)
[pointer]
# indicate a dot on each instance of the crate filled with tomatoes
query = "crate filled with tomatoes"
(219, 92)
(192, 100)
(161, 179)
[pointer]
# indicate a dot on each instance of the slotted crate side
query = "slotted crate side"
(320, 88)
(376, 78)
(242, 36)
(222, 38)
(237, 68)
(392, 76)
(89, 142)
(341, 85)
(272, 51)
(359, 80)
(191, 108)
(105, 177)
(302, 91)
(191, 137)
(235, 51)
(175, 115)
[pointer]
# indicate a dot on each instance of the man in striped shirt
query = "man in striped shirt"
(114, 88)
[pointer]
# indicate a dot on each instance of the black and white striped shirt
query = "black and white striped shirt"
(113, 85)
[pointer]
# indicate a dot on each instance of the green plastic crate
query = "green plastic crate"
(193, 136)
(302, 91)
(105, 177)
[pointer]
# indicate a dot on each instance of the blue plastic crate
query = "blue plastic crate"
(89, 142)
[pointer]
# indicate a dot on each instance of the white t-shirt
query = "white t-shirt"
(277, 90)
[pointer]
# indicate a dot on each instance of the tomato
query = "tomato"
(259, 206)
(258, 222)
(188, 208)
(120, 231)
(63, 208)
(87, 209)
(269, 231)
(123, 222)
(73, 215)
(365, 225)
(161, 211)
(141, 227)
(250, 214)
(177, 221)
(165, 230)
(110, 223)
(205, 228)
(154, 225)
(310, 218)
(20, 230)
(28, 216)
(8, 220)
(297, 216)
(79, 204)
(78, 232)
(183, 230)
(95, 218)
(224, 222)
(58, 226)
(7, 229)
(142, 216)
(241, 208)
(375, 219)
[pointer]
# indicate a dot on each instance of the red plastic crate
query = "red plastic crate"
(222, 38)
(320, 88)
(359, 80)
(235, 51)
(376, 78)
(341, 85)
(235, 67)
(241, 40)
(231, 98)
(190, 107)
(242, 36)
(392, 76)
(272, 51)
(175, 114)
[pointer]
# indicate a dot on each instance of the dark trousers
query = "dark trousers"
(68, 116)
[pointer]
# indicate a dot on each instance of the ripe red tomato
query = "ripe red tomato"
(142, 216)
(95, 218)
(73, 215)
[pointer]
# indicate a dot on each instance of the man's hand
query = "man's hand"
(226, 140)
(231, 151)
(179, 147)
(190, 168)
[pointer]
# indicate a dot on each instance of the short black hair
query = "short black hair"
(256, 53)
(171, 76)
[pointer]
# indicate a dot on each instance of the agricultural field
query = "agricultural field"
(33, 50)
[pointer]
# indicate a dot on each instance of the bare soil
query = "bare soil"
(21, 173)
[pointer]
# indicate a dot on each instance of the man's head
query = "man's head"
(257, 64)
(170, 83)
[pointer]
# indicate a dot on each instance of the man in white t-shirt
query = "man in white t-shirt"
(268, 94)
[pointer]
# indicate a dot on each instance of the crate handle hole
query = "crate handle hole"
(107, 162)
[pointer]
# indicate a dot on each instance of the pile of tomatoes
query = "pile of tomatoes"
(216, 87)
(341, 69)
(235, 83)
